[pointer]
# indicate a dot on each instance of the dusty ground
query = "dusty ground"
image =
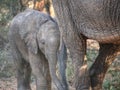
(10, 84)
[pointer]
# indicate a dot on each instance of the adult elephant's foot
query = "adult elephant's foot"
(98, 87)
(82, 79)
(96, 79)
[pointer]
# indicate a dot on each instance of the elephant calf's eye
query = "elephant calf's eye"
(42, 41)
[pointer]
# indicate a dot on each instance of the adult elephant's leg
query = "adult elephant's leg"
(23, 75)
(74, 41)
(39, 70)
(77, 49)
(107, 55)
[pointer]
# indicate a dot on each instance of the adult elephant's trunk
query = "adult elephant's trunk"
(62, 58)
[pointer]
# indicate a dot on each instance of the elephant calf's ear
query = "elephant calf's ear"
(31, 42)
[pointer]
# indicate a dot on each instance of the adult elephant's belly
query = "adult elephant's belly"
(101, 33)
(100, 20)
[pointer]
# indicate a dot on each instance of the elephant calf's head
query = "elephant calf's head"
(48, 35)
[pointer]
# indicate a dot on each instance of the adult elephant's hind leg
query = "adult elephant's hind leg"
(107, 55)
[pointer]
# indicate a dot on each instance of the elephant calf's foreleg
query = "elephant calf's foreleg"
(107, 55)
(39, 71)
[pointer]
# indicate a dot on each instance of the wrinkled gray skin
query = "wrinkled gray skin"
(99, 20)
(35, 38)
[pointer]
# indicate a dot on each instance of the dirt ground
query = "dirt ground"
(11, 84)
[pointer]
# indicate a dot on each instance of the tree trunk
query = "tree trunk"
(107, 55)
(16, 7)
(47, 6)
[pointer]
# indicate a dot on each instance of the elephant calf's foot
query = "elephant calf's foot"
(60, 87)
(23, 88)
(45, 87)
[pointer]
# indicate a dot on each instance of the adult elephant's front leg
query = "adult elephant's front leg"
(77, 49)
(107, 55)
(74, 41)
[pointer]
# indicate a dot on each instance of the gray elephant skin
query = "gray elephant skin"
(99, 20)
(35, 39)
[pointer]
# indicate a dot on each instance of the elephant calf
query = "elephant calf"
(34, 38)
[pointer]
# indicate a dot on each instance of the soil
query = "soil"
(11, 84)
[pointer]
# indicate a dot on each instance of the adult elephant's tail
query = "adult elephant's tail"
(62, 59)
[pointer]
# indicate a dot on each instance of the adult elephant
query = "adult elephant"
(80, 20)
(35, 39)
